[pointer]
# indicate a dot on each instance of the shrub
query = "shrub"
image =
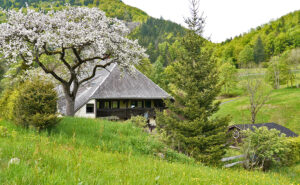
(7, 103)
(32, 103)
(264, 148)
(294, 154)
(138, 121)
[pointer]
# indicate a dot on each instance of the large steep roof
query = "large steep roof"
(112, 83)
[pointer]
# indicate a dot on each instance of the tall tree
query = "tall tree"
(194, 80)
(228, 77)
(71, 45)
(259, 51)
(246, 56)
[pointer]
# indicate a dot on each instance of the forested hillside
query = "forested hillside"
(263, 42)
(113, 8)
(158, 36)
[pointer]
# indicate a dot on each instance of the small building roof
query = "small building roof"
(112, 83)
(282, 129)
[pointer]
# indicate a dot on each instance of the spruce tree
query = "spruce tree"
(188, 123)
(259, 51)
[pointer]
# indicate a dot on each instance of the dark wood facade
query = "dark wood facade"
(125, 109)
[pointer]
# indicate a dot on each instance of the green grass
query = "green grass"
(282, 108)
(86, 151)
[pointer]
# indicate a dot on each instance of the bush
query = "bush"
(138, 121)
(264, 148)
(31, 104)
(294, 154)
(7, 103)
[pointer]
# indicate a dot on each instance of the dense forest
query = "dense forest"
(263, 42)
(113, 8)
(158, 36)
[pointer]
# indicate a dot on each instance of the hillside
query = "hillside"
(113, 8)
(282, 108)
(157, 36)
(277, 36)
(86, 151)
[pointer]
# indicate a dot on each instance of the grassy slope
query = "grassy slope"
(283, 108)
(97, 152)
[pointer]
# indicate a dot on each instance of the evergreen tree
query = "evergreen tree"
(259, 51)
(187, 123)
(158, 72)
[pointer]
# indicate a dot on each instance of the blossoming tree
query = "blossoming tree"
(71, 44)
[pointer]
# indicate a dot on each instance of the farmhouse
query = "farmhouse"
(235, 129)
(116, 93)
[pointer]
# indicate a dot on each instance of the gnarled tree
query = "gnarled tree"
(70, 44)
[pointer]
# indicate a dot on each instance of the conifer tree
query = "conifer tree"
(259, 51)
(188, 122)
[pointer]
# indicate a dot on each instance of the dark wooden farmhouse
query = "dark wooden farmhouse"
(235, 129)
(113, 93)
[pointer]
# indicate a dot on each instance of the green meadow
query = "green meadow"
(283, 107)
(87, 151)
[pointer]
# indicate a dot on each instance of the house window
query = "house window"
(104, 104)
(140, 104)
(115, 105)
(148, 103)
(133, 104)
(89, 108)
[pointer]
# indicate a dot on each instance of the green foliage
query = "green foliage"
(158, 75)
(113, 8)
(186, 123)
(31, 103)
(294, 154)
(280, 70)
(267, 40)
(228, 77)
(158, 36)
(7, 103)
(138, 121)
(264, 148)
(246, 56)
(258, 51)
(145, 67)
(36, 104)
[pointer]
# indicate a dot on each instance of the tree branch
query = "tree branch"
(81, 61)
(94, 71)
(47, 70)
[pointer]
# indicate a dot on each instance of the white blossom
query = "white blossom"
(70, 44)
(30, 35)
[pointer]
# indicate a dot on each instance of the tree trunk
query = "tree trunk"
(70, 106)
(253, 115)
(70, 101)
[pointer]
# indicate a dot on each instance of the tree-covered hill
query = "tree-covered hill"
(158, 35)
(113, 8)
(261, 43)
